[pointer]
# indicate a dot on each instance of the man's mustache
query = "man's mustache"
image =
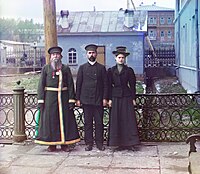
(55, 59)
(92, 58)
(56, 63)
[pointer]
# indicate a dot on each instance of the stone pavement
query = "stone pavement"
(151, 158)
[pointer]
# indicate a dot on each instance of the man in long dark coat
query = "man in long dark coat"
(56, 98)
(91, 93)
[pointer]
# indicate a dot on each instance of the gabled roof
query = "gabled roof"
(153, 8)
(102, 22)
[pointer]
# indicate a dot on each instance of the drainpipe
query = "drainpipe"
(179, 30)
(197, 45)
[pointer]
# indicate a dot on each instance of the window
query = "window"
(152, 34)
(169, 20)
(72, 56)
(169, 34)
(152, 20)
(162, 20)
(162, 34)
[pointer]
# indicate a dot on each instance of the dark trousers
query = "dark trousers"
(92, 112)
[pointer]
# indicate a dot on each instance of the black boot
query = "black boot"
(88, 148)
(65, 148)
(51, 148)
(101, 147)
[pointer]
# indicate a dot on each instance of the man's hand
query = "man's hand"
(71, 105)
(110, 103)
(105, 102)
(78, 103)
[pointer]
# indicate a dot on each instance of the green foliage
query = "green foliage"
(20, 30)
(168, 85)
(139, 88)
(30, 82)
(172, 88)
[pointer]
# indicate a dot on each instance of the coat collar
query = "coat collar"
(115, 70)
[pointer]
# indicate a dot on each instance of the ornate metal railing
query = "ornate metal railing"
(6, 116)
(161, 117)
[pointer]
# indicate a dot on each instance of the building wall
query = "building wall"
(188, 79)
(134, 44)
(186, 44)
(156, 25)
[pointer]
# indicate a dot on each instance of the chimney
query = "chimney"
(154, 4)
(128, 18)
(64, 18)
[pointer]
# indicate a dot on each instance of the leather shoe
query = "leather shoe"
(51, 148)
(101, 148)
(65, 148)
(88, 148)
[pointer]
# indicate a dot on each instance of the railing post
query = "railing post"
(19, 117)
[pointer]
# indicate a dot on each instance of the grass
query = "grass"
(29, 82)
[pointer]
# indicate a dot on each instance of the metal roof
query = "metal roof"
(153, 8)
(9, 42)
(101, 22)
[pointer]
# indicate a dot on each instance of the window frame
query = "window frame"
(72, 56)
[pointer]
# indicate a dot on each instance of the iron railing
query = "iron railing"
(21, 58)
(159, 58)
(6, 116)
(161, 117)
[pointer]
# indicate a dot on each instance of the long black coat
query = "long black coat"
(122, 122)
(57, 123)
(92, 84)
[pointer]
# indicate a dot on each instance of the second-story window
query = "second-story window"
(162, 34)
(152, 20)
(169, 34)
(169, 20)
(152, 34)
(72, 56)
(162, 20)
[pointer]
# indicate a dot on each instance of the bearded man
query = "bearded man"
(91, 93)
(56, 99)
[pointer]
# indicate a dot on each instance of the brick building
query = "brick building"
(160, 25)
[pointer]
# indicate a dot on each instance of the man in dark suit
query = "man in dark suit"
(91, 93)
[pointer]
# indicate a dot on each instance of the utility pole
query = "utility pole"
(128, 5)
(50, 31)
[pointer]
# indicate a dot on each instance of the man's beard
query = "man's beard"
(92, 58)
(56, 64)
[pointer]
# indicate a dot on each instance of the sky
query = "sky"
(33, 9)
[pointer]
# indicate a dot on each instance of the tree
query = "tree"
(20, 30)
